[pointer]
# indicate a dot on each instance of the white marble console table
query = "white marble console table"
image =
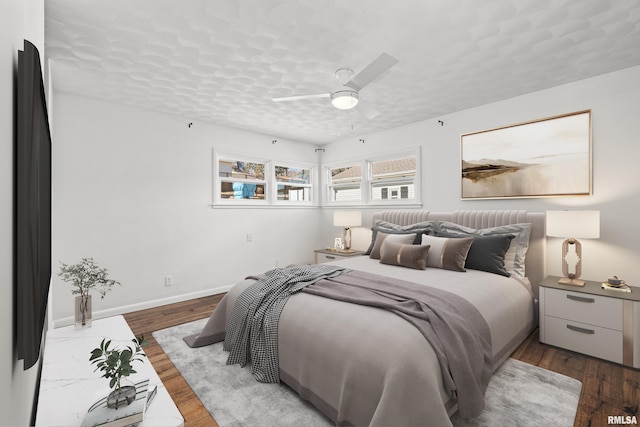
(69, 385)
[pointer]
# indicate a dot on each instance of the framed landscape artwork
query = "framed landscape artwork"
(541, 158)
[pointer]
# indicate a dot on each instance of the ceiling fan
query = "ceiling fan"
(347, 94)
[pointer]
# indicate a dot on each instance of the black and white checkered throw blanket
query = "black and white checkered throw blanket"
(252, 334)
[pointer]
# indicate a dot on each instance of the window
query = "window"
(391, 179)
(293, 183)
(395, 192)
(345, 183)
(242, 181)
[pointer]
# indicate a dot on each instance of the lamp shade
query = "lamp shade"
(347, 218)
(575, 224)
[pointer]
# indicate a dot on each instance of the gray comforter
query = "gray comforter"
(358, 364)
(252, 334)
(455, 329)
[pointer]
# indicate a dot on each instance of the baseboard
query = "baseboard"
(66, 321)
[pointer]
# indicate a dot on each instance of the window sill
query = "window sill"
(374, 205)
(262, 206)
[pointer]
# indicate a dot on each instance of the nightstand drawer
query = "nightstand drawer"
(585, 308)
(327, 258)
(328, 255)
(584, 338)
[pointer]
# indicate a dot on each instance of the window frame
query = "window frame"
(328, 187)
(313, 185)
(270, 182)
(367, 182)
(218, 180)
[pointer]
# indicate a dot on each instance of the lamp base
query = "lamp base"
(346, 238)
(571, 278)
(573, 282)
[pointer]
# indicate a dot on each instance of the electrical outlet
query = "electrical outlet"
(168, 280)
(277, 263)
(249, 237)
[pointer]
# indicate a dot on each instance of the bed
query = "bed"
(362, 365)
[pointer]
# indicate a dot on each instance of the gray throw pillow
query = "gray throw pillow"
(514, 259)
(394, 238)
(486, 252)
(428, 227)
(449, 253)
(412, 256)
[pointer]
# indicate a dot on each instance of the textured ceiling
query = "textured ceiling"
(222, 61)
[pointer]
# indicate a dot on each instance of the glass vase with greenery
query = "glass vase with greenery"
(84, 277)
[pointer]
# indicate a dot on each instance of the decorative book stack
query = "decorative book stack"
(620, 288)
(99, 415)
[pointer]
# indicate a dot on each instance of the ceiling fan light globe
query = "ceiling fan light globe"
(344, 99)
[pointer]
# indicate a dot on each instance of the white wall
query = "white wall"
(19, 20)
(133, 188)
(613, 99)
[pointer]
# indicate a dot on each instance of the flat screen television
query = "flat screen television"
(33, 207)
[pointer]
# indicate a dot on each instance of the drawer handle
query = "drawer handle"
(329, 257)
(582, 330)
(581, 299)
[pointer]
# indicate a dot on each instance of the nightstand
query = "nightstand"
(591, 320)
(328, 255)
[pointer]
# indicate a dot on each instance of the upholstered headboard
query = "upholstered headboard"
(535, 262)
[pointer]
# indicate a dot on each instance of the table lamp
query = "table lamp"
(572, 225)
(347, 219)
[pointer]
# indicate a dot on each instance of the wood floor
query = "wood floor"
(607, 389)
(146, 322)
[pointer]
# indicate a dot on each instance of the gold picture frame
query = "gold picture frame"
(541, 158)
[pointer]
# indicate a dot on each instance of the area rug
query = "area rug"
(519, 394)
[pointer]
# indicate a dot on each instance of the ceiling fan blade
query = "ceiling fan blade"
(295, 98)
(367, 109)
(371, 72)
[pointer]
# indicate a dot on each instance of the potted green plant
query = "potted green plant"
(84, 277)
(116, 364)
